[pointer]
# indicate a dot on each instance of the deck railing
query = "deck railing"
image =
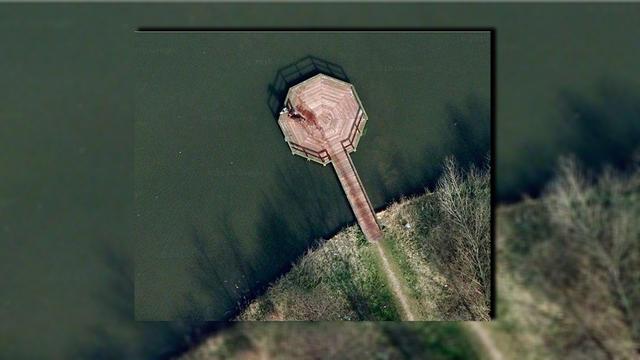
(352, 139)
(296, 72)
(353, 168)
(322, 156)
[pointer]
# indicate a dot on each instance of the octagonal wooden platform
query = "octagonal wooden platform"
(322, 121)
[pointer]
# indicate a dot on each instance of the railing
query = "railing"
(355, 130)
(296, 72)
(364, 193)
(322, 156)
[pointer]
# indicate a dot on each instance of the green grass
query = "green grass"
(570, 260)
(338, 340)
(381, 302)
(343, 279)
(406, 274)
(406, 271)
(338, 280)
(567, 283)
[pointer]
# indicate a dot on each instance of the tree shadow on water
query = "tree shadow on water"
(467, 138)
(605, 129)
(471, 128)
(206, 270)
(598, 129)
(309, 198)
(226, 274)
(120, 336)
(306, 205)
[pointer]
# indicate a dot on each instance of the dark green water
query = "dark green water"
(567, 81)
(212, 171)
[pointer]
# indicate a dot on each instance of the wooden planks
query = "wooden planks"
(352, 186)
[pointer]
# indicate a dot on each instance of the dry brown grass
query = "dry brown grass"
(567, 277)
(336, 340)
(430, 292)
(577, 252)
(288, 341)
(438, 244)
(337, 280)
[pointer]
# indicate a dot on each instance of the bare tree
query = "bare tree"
(589, 265)
(464, 200)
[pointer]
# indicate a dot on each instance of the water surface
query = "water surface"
(221, 204)
(568, 81)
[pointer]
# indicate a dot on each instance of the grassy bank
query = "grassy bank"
(339, 279)
(566, 285)
(440, 243)
(437, 245)
(337, 340)
(568, 269)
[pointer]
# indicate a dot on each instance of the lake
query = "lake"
(222, 207)
(567, 82)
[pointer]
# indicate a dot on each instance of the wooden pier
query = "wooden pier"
(322, 121)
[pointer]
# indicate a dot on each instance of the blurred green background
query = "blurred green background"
(567, 82)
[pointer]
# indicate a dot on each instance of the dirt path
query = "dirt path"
(395, 284)
(481, 333)
(491, 351)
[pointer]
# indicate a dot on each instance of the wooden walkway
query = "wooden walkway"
(323, 121)
(356, 195)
